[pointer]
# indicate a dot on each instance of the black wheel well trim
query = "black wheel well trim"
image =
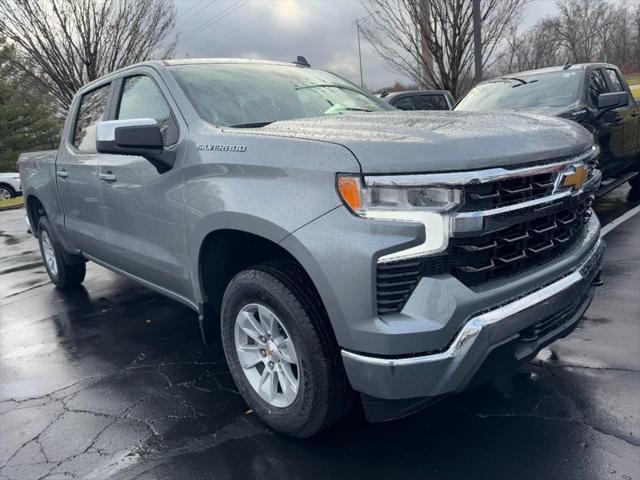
(35, 211)
(226, 248)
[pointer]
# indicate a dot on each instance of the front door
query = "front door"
(77, 173)
(144, 209)
(628, 117)
(627, 121)
(609, 126)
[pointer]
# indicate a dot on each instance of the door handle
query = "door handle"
(107, 177)
(634, 114)
(62, 173)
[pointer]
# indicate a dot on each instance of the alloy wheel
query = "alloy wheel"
(48, 252)
(267, 355)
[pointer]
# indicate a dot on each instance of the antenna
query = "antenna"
(301, 61)
(567, 66)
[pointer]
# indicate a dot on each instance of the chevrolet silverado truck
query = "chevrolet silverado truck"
(345, 250)
(595, 95)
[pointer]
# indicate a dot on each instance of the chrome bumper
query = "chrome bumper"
(442, 372)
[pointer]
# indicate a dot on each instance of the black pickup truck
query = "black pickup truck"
(595, 95)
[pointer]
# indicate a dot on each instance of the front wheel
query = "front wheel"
(65, 270)
(281, 350)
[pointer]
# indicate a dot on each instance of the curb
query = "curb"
(11, 207)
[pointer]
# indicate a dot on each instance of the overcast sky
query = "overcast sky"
(323, 31)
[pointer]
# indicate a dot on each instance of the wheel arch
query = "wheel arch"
(35, 210)
(227, 244)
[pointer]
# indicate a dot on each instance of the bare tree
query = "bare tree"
(63, 44)
(431, 41)
(538, 47)
(583, 26)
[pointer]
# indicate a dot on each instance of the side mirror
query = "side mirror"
(138, 136)
(609, 101)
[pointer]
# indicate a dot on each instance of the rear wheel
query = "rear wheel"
(281, 350)
(7, 192)
(65, 270)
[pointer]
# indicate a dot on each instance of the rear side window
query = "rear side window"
(141, 98)
(616, 84)
(92, 109)
(597, 86)
(431, 102)
(405, 103)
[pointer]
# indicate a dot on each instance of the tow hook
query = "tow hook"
(597, 281)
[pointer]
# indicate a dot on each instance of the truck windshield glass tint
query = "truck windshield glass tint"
(432, 102)
(597, 86)
(553, 89)
(92, 108)
(616, 84)
(141, 98)
(244, 94)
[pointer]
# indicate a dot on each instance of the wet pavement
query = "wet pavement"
(113, 381)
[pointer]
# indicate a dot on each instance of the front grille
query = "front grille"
(479, 259)
(487, 256)
(486, 196)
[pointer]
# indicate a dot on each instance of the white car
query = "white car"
(9, 185)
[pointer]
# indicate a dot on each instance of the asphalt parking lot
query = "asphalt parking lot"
(112, 381)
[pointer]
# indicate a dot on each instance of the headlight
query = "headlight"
(423, 204)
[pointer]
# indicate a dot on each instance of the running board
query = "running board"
(613, 184)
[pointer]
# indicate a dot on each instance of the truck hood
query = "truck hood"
(402, 142)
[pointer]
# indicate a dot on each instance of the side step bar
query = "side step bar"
(613, 184)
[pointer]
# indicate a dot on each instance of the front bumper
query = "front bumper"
(552, 311)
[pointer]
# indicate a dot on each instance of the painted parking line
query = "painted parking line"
(620, 220)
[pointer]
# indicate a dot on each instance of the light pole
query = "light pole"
(359, 52)
(477, 41)
(359, 22)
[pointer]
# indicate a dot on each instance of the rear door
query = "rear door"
(144, 209)
(77, 172)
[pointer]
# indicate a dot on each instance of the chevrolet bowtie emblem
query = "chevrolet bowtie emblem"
(575, 179)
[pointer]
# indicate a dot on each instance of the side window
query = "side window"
(141, 98)
(92, 108)
(614, 79)
(431, 102)
(597, 86)
(405, 103)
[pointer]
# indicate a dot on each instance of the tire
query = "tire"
(6, 192)
(323, 393)
(635, 182)
(65, 270)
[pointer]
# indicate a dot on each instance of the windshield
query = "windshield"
(255, 95)
(553, 89)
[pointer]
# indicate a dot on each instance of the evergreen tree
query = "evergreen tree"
(27, 120)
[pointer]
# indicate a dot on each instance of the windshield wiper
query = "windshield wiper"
(353, 109)
(522, 81)
(252, 125)
(329, 85)
(516, 79)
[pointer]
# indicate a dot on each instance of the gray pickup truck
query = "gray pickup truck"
(343, 249)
